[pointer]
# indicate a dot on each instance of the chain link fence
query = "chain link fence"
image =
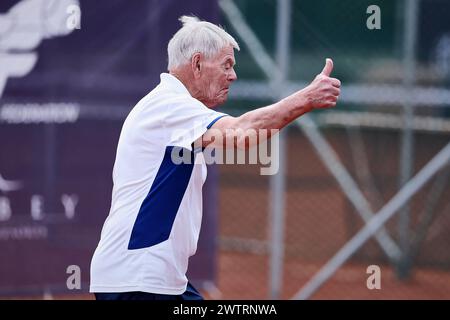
(392, 115)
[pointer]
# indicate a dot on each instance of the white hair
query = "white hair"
(197, 36)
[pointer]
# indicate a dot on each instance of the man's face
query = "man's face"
(216, 77)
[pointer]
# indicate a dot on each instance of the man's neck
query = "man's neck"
(188, 82)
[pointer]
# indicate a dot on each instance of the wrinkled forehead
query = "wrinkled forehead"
(226, 53)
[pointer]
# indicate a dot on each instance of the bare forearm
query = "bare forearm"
(260, 124)
(277, 115)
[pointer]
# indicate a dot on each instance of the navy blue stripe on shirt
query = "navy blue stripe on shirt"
(158, 210)
(215, 120)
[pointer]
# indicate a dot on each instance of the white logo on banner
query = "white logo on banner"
(5, 206)
(23, 28)
(68, 201)
(8, 186)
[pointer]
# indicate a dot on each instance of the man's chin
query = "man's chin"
(223, 98)
(218, 102)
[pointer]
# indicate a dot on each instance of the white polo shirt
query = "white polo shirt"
(154, 222)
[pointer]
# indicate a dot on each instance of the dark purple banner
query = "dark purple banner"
(70, 71)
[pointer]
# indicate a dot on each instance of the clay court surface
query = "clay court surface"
(349, 282)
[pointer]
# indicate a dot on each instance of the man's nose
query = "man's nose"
(232, 75)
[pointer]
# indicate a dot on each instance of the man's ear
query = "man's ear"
(196, 64)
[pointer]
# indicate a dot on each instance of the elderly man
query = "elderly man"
(156, 208)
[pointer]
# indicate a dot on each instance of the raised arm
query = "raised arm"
(322, 92)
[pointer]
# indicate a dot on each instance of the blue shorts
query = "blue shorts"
(190, 294)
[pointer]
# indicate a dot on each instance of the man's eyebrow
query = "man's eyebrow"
(230, 60)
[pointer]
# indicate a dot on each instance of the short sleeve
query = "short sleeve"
(188, 120)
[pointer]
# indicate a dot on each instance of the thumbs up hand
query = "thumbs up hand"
(323, 91)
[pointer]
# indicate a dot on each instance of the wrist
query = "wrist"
(304, 101)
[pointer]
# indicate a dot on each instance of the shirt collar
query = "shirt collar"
(169, 80)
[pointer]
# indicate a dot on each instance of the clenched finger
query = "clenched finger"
(336, 82)
(333, 98)
(335, 91)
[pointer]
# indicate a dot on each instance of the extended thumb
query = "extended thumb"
(328, 67)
